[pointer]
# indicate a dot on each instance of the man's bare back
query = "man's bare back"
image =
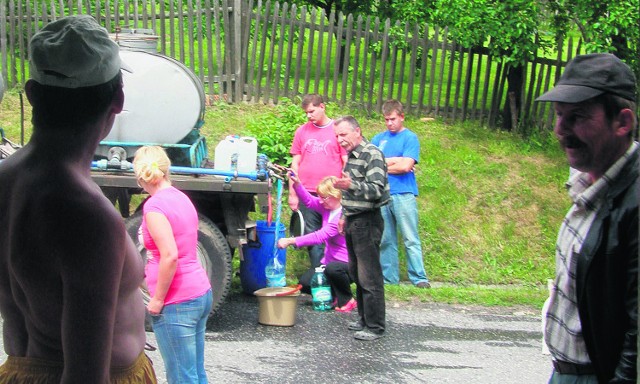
(69, 273)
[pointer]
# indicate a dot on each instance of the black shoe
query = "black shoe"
(367, 335)
(423, 284)
(355, 326)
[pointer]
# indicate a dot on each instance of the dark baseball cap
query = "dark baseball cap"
(588, 76)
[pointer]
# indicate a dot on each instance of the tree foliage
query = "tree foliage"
(603, 26)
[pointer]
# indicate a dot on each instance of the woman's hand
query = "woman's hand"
(286, 241)
(155, 306)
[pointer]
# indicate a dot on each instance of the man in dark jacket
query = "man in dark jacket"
(591, 322)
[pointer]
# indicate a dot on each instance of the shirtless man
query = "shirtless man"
(69, 273)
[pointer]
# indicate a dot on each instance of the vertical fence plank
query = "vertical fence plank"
(289, 57)
(251, 95)
(456, 97)
(372, 70)
(12, 48)
(21, 43)
(356, 60)
(393, 54)
(403, 61)
(263, 44)
(309, 50)
(279, 73)
(338, 57)
(272, 48)
(199, 38)
(365, 59)
(413, 60)
(441, 74)
(228, 46)
(485, 90)
(383, 63)
(301, 33)
(423, 69)
(477, 86)
(467, 83)
(209, 38)
(220, 55)
(4, 54)
(497, 93)
(345, 62)
(447, 99)
(329, 50)
(190, 38)
(319, 56)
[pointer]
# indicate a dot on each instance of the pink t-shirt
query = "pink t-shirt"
(190, 280)
(321, 155)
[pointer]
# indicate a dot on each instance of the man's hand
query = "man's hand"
(344, 182)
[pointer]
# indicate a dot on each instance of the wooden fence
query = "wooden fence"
(255, 51)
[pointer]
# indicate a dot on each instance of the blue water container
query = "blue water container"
(257, 254)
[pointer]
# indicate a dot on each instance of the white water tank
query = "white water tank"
(164, 100)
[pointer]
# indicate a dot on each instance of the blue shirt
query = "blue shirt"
(400, 144)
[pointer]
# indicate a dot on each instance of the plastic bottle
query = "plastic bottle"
(320, 291)
(275, 273)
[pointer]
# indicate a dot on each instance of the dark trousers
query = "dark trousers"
(312, 222)
(338, 275)
(363, 234)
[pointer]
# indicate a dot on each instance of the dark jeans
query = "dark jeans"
(312, 222)
(338, 275)
(363, 234)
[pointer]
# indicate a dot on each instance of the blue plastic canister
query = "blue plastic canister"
(257, 254)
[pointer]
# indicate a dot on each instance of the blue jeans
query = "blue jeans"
(363, 233)
(557, 378)
(179, 331)
(401, 214)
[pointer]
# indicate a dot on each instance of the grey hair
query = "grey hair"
(349, 120)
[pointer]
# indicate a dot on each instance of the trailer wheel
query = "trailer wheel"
(213, 253)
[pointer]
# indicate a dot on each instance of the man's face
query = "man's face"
(347, 138)
(587, 137)
(315, 113)
(394, 121)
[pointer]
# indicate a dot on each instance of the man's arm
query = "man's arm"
(400, 165)
(626, 369)
(293, 197)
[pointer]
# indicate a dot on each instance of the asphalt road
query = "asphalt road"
(424, 343)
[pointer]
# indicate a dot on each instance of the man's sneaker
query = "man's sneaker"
(348, 307)
(367, 335)
(423, 284)
(355, 326)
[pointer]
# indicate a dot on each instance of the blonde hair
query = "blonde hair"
(151, 164)
(325, 187)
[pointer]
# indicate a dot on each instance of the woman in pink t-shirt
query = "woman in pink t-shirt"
(179, 287)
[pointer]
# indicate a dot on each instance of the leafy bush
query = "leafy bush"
(274, 130)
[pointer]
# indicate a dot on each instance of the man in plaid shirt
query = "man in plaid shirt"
(365, 190)
(591, 320)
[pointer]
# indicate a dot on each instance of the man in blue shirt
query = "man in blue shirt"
(401, 149)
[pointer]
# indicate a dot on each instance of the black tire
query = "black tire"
(213, 252)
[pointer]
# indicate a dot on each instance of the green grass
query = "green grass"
(490, 204)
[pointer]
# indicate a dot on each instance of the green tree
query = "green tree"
(603, 26)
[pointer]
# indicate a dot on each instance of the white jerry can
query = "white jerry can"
(236, 153)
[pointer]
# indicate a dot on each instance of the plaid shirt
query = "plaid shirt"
(369, 185)
(563, 330)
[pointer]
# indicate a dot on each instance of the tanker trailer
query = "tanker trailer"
(164, 105)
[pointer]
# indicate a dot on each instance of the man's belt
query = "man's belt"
(567, 368)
